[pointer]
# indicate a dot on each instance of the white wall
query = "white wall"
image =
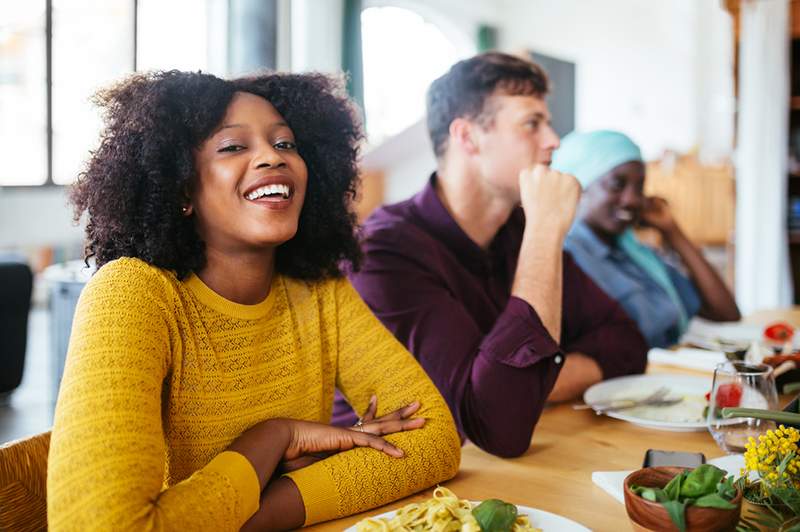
(37, 217)
(659, 71)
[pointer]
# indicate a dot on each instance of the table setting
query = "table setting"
(573, 477)
(741, 413)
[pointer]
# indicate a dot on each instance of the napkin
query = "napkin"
(707, 334)
(687, 357)
(612, 481)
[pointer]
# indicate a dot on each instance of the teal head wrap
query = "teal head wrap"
(589, 156)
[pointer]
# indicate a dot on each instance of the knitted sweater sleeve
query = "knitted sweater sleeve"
(372, 361)
(107, 456)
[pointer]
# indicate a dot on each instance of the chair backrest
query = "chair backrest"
(16, 283)
(23, 484)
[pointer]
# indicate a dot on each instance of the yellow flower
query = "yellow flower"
(765, 455)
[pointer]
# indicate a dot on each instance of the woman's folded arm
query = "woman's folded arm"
(372, 362)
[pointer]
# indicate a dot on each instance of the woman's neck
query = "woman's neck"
(244, 278)
(607, 238)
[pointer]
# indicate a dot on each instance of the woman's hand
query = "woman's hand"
(718, 303)
(397, 421)
(308, 438)
(656, 213)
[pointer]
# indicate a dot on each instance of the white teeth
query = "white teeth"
(268, 190)
(625, 216)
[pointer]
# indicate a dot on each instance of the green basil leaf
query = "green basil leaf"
(494, 515)
(713, 500)
(673, 488)
(660, 495)
(649, 494)
(677, 512)
(727, 488)
(701, 481)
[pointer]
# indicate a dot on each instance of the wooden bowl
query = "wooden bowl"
(646, 515)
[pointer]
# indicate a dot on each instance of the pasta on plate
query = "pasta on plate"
(443, 512)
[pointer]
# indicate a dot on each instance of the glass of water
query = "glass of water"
(737, 384)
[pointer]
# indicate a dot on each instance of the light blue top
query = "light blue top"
(644, 299)
(588, 156)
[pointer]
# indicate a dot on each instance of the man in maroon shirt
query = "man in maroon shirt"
(470, 274)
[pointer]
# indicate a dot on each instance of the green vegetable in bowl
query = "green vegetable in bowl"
(494, 515)
(704, 486)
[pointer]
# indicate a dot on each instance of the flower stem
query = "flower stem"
(778, 416)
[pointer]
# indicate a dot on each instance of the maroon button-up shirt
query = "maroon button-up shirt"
(450, 303)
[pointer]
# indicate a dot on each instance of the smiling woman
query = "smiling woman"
(199, 381)
(174, 119)
(658, 297)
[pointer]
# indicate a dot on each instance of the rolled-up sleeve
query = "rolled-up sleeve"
(518, 338)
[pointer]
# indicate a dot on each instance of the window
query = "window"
(92, 46)
(48, 123)
(23, 95)
(403, 53)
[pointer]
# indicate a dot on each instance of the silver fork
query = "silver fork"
(618, 404)
(659, 402)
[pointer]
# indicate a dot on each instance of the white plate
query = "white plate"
(539, 519)
(685, 416)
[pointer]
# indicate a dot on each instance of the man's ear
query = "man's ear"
(462, 134)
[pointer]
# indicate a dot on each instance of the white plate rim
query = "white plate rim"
(561, 521)
(701, 382)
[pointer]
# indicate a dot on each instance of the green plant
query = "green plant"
(775, 461)
(705, 486)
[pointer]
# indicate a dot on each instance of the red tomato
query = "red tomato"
(729, 395)
(779, 332)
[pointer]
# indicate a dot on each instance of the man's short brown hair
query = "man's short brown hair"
(462, 91)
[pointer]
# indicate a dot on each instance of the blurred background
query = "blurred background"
(704, 86)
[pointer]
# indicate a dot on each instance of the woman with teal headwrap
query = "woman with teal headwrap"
(660, 299)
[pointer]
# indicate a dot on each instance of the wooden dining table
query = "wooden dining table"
(555, 474)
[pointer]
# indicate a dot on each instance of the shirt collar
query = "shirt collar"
(582, 234)
(437, 220)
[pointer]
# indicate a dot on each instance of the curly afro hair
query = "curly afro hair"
(144, 170)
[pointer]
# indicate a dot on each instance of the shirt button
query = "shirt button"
(558, 359)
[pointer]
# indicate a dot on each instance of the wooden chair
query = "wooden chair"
(23, 484)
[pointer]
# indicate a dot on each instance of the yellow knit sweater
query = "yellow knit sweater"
(162, 375)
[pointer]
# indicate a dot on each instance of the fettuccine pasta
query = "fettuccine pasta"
(443, 512)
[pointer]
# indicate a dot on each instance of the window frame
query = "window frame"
(48, 47)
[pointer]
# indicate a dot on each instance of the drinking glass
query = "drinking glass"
(737, 384)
